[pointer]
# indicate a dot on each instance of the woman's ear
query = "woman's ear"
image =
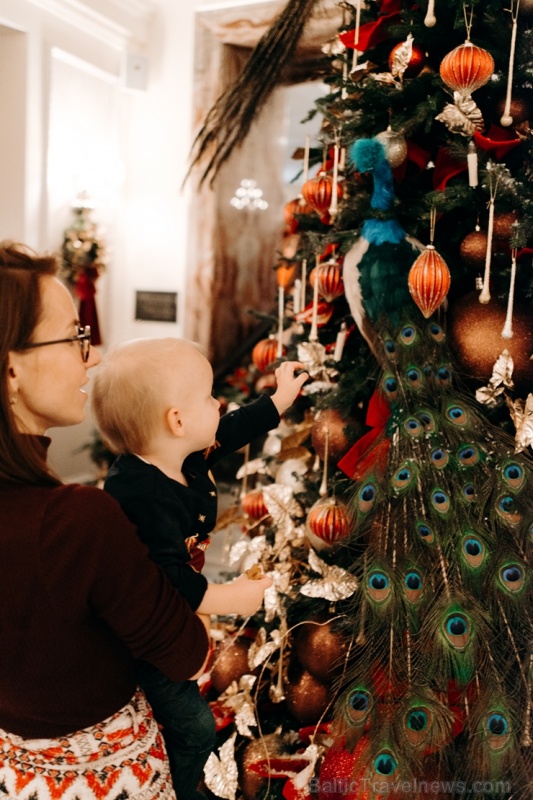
(12, 374)
(175, 422)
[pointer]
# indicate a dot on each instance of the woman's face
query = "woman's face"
(46, 382)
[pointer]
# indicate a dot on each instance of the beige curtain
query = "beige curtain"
(233, 252)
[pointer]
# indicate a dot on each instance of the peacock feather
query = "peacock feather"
(439, 684)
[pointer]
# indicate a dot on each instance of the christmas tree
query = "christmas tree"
(393, 509)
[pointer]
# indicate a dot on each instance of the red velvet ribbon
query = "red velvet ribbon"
(86, 289)
(498, 141)
(366, 453)
(372, 33)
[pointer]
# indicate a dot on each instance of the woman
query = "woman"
(79, 598)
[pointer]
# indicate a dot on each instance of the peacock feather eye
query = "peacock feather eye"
(443, 377)
(390, 387)
(404, 476)
(457, 415)
(507, 509)
(366, 497)
(439, 457)
(417, 725)
(469, 455)
(436, 332)
(390, 350)
(378, 586)
(512, 577)
(427, 420)
(413, 585)
(497, 730)
(514, 476)
(425, 532)
(469, 493)
(457, 630)
(413, 427)
(440, 501)
(408, 335)
(385, 764)
(414, 377)
(473, 551)
(358, 706)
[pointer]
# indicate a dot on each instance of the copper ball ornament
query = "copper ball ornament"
(519, 109)
(415, 63)
(503, 223)
(265, 353)
(253, 504)
(230, 663)
(307, 698)
(330, 423)
(429, 281)
(320, 649)
(473, 249)
(292, 209)
(466, 68)
(328, 522)
(474, 332)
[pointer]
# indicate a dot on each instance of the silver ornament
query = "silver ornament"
(395, 147)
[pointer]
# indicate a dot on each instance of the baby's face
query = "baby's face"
(200, 409)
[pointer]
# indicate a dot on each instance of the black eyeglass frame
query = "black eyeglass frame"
(83, 337)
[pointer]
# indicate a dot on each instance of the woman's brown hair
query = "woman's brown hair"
(22, 458)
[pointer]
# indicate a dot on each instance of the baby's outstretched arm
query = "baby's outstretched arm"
(288, 385)
(242, 596)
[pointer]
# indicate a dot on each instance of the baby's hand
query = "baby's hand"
(289, 386)
(251, 593)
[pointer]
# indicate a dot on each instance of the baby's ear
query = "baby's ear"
(175, 423)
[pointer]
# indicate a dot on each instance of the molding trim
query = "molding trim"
(80, 15)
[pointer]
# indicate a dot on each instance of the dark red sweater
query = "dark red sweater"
(79, 599)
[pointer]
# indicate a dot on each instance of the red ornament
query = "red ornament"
(265, 354)
(230, 663)
(318, 192)
(415, 63)
(253, 504)
(329, 277)
(429, 281)
(328, 522)
(292, 209)
(466, 68)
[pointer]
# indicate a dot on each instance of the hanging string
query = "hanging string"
(507, 332)
(432, 224)
(468, 22)
(484, 297)
(506, 118)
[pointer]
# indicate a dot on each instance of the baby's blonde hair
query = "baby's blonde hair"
(131, 389)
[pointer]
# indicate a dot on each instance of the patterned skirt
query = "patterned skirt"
(121, 758)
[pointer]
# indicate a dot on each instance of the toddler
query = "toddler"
(153, 403)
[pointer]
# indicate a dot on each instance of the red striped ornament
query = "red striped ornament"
(429, 281)
(328, 522)
(253, 504)
(329, 277)
(265, 353)
(467, 68)
(318, 191)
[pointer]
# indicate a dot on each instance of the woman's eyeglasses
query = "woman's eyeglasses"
(83, 337)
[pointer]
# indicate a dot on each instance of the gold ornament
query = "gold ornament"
(230, 664)
(330, 420)
(307, 698)
(462, 117)
(320, 649)
(395, 146)
(473, 249)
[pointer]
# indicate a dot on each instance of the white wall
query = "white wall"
(54, 54)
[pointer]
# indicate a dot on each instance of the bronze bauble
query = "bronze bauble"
(320, 649)
(503, 223)
(473, 249)
(525, 9)
(251, 784)
(475, 330)
(520, 108)
(343, 432)
(230, 663)
(307, 698)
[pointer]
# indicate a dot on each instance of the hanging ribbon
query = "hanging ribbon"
(498, 142)
(446, 168)
(375, 32)
(85, 288)
(364, 454)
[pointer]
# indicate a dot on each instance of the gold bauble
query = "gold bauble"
(474, 332)
(230, 663)
(307, 698)
(395, 147)
(473, 249)
(503, 223)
